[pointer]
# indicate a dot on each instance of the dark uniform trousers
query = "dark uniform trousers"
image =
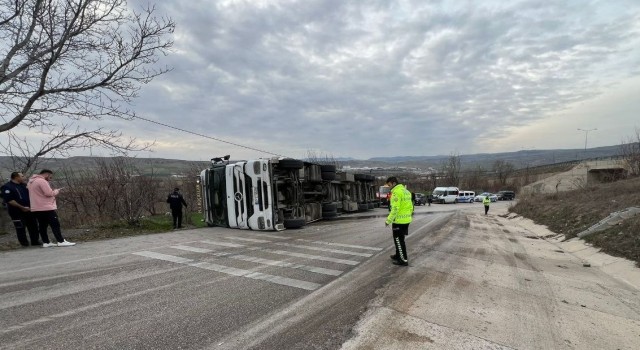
(24, 221)
(399, 231)
(177, 217)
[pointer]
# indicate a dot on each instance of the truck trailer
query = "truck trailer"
(280, 193)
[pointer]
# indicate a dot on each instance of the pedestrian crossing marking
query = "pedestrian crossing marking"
(249, 239)
(191, 249)
(337, 251)
(224, 244)
(342, 245)
(165, 257)
(263, 261)
(312, 257)
(232, 271)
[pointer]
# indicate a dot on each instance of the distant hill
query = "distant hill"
(521, 159)
(168, 167)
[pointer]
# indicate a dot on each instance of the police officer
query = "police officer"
(176, 201)
(486, 201)
(399, 218)
(16, 196)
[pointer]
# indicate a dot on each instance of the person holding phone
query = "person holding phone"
(43, 205)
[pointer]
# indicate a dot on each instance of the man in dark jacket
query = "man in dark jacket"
(16, 196)
(176, 201)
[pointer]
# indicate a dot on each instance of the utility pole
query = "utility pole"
(586, 135)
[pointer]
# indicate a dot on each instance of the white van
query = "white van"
(466, 196)
(444, 195)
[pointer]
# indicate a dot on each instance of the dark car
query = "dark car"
(506, 195)
(420, 199)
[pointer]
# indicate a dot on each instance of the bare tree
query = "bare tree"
(631, 152)
(451, 170)
(64, 62)
(503, 171)
(476, 178)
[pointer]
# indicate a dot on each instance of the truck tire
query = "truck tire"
(329, 207)
(329, 214)
(371, 206)
(328, 175)
(360, 177)
(328, 168)
(294, 223)
(363, 206)
(290, 163)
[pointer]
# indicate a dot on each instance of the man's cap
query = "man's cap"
(176, 189)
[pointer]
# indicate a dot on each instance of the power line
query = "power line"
(205, 136)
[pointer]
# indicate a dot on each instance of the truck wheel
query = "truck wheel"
(360, 177)
(290, 163)
(330, 207)
(371, 206)
(329, 214)
(329, 168)
(328, 175)
(294, 223)
(363, 206)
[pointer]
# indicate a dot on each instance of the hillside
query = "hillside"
(520, 159)
(572, 212)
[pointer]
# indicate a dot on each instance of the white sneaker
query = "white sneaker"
(47, 245)
(65, 243)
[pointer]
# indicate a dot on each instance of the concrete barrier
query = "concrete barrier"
(611, 220)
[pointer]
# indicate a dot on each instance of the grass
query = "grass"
(572, 212)
(145, 226)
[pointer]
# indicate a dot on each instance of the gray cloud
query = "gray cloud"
(361, 78)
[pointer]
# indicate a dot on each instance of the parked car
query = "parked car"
(420, 199)
(506, 195)
(466, 196)
(480, 197)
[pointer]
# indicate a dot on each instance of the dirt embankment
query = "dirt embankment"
(572, 212)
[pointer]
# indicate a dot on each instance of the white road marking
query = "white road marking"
(337, 251)
(233, 271)
(249, 239)
(258, 276)
(266, 235)
(165, 257)
(288, 265)
(191, 249)
(342, 245)
(312, 257)
(224, 244)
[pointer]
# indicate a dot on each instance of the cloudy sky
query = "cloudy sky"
(387, 78)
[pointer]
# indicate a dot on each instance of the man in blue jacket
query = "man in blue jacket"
(16, 196)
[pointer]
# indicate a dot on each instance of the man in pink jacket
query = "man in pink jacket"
(43, 205)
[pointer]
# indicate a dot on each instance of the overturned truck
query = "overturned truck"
(280, 193)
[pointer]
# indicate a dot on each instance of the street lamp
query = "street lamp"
(586, 134)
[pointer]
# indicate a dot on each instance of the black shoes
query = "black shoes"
(400, 263)
(394, 257)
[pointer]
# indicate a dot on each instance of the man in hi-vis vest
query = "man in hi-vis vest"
(399, 218)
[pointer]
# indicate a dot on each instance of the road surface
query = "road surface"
(473, 282)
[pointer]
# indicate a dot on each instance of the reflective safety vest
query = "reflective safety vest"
(486, 201)
(401, 206)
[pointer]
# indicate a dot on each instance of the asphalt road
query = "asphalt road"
(205, 288)
(471, 283)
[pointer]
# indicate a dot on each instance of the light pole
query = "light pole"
(586, 135)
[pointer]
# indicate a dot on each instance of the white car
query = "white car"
(480, 197)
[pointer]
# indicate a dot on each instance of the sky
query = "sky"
(377, 78)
